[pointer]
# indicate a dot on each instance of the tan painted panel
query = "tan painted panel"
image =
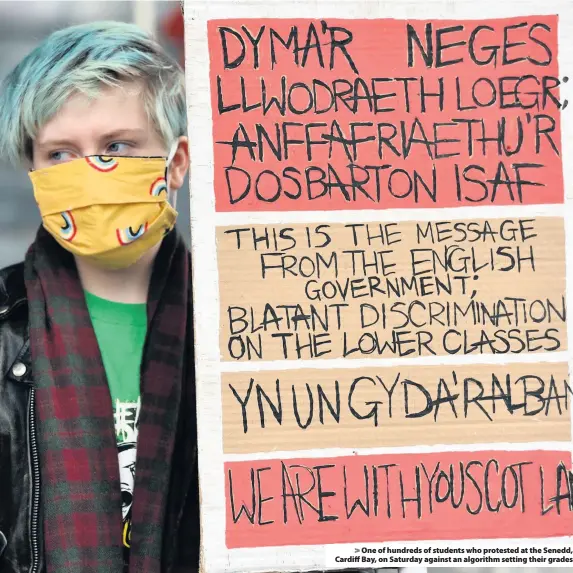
(392, 289)
(376, 407)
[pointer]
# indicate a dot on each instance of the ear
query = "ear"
(179, 165)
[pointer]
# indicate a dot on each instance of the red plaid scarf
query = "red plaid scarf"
(81, 499)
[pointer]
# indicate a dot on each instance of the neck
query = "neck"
(130, 285)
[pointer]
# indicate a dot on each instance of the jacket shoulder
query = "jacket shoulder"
(12, 289)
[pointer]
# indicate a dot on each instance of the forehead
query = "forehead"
(87, 117)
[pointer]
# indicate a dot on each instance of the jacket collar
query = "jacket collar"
(12, 290)
(12, 300)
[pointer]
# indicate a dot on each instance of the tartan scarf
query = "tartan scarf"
(81, 495)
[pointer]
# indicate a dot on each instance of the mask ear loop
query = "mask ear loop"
(171, 154)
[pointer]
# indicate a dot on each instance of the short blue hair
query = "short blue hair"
(82, 59)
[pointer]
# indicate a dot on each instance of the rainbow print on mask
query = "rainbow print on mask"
(126, 236)
(69, 230)
(158, 186)
(102, 163)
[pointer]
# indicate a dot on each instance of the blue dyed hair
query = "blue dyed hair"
(82, 59)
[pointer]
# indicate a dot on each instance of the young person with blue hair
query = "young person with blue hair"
(98, 448)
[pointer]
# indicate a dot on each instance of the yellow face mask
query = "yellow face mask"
(110, 210)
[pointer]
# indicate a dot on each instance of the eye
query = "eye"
(118, 147)
(60, 156)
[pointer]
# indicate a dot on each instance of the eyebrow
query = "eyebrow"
(116, 134)
(119, 133)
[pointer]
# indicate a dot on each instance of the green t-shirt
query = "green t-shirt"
(120, 330)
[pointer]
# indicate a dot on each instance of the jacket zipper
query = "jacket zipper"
(35, 482)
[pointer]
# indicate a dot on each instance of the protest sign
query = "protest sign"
(381, 230)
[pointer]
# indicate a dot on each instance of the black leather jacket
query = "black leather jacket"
(20, 523)
(21, 527)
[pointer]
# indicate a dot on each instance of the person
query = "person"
(98, 447)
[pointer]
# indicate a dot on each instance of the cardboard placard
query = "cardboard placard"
(381, 231)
